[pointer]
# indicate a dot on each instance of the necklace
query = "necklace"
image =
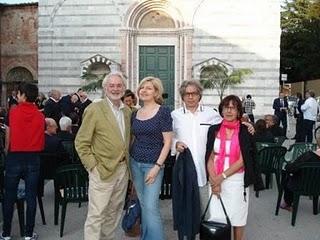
(146, 113)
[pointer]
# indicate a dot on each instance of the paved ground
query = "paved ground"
(262, 223)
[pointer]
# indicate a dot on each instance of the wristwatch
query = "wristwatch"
(159, 165)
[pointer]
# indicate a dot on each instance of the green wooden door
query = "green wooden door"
(158, 61)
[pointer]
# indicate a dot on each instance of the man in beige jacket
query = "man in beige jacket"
(102, 143)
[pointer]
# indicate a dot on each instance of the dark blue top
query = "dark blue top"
(148, 141)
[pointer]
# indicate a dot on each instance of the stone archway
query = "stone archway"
(19, 74)
(198, 68)
(98, 63)
(14, 77)
(156, 23)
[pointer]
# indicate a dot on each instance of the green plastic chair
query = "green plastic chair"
(307, 186)
(261, 145)
(71, 183)
(297, 149)
(71, 151)
(270, 160)
(49, 163)
(279, 140)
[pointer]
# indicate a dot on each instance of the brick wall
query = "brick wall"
(19, 41)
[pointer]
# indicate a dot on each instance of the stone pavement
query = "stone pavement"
(262, 223)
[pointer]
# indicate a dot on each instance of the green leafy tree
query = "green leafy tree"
(219, 77)
(94, 81)
(300, 39)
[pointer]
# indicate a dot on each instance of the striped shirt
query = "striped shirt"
(248, 105)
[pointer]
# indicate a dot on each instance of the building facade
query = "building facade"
(18, 46)
(174, 40)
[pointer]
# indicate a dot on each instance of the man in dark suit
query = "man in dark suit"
(298, 114)
(280, 106)
(70, 103)
(85, 102)
(52, 108)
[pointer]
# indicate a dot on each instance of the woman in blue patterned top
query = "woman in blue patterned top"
(152, 131)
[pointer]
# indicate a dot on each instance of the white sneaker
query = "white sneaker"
(34, 237)
(4, 238)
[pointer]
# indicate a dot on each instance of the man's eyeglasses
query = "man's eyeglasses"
(191, 94)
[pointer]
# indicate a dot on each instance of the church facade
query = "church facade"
(174, 40)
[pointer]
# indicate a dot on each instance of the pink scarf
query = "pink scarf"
(234, 147)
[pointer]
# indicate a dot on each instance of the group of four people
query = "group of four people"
(110, 153)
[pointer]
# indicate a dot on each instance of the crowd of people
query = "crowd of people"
(34, 124)
(118, 140)
(305, 110)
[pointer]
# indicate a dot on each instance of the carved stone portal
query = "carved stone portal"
(19, 74)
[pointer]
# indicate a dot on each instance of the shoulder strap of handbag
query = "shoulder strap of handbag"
(133, 193)
(224, 209)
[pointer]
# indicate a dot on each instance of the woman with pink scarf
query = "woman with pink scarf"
(231, 166)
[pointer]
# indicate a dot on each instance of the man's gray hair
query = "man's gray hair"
(65, 123)
(112, 74)
(54, 93)
(185, 84)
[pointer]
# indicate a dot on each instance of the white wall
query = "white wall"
(243, 33)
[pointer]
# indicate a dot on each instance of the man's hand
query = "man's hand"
(180, 146)
(250, 127)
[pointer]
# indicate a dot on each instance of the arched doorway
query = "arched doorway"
(155, 42)
(14, 77)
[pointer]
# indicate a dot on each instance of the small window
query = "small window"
(98, 69)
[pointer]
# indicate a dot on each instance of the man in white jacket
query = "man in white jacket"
(310, 111)
(190, 126)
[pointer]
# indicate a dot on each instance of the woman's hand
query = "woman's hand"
(216, 190)
(152, 174)
(217, 180)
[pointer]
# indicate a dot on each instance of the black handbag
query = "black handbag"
(211, 230)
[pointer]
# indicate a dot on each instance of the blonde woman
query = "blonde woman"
(152, 131)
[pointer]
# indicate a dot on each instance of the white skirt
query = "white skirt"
(236, 204)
